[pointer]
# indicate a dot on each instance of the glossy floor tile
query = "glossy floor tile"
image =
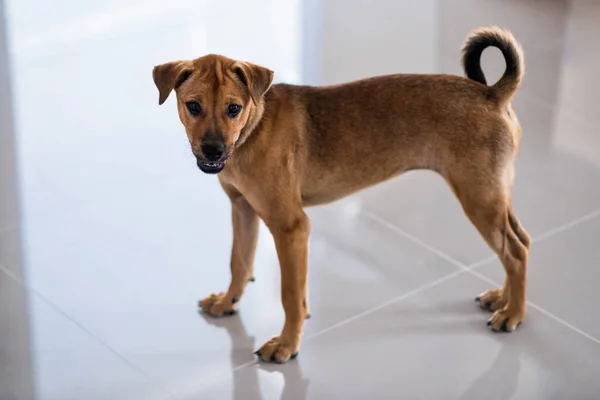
(46, 354)
(563, 275)
(425, 346)
(109, 235)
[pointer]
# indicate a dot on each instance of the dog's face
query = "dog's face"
(217, 100)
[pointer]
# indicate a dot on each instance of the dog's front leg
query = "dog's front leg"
(291, 241)
(245, 236)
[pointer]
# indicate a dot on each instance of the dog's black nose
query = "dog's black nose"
(213, 151)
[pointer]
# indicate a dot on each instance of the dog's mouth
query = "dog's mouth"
(211, 167)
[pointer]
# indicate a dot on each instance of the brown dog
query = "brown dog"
(278, 149)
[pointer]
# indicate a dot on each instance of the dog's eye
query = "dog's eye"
(193, 107)
(233, 110)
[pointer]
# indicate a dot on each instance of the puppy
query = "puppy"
(280, 148)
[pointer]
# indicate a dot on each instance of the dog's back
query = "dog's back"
(385, 125)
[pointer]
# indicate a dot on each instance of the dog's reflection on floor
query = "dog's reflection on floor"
(246, 384)
(505, 368)
(295, 386)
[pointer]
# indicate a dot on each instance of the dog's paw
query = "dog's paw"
(505, 320)
(218, 305)
(278, 350)
(492, 300)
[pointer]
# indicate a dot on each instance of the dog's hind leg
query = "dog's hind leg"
(497, 299)
(489, 210)
(245, 235)
(516, 226)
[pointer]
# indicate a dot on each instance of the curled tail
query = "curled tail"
(494, 36)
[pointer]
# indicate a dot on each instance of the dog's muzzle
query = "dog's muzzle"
(213, 157)
(210, 167)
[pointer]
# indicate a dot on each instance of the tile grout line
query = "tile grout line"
(542, 310)
(396, 229)
(471, 269)
(542, 237)
(561, 228)
(56, 308)
(369, 311)
(462, 270)
(566, 226)
(387, 303)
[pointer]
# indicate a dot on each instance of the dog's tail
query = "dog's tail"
(494, 36)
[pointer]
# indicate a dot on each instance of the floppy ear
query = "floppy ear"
(169, 76)
(258, 79)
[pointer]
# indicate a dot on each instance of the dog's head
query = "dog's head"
(219, 101)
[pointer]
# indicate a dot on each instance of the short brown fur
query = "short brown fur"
(297, 146)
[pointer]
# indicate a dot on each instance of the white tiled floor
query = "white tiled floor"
(103, 246)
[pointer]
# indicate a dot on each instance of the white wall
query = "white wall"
(578, 111)
(361, 38)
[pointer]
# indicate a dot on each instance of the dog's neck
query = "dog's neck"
(258, 121)
(252, 124)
